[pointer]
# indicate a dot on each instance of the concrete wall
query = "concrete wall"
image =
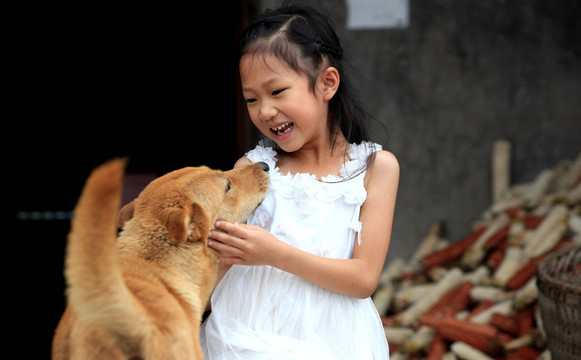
(463, 74)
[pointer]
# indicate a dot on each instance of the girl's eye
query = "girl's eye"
(250, 101)
(276, 92)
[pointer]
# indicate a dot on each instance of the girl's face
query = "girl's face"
(281, 102)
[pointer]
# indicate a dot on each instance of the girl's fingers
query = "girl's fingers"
(226, 242)
(225, 248)
(223, 238)
(230, 260)
(235, 229)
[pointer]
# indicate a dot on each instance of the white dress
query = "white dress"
(261, 312)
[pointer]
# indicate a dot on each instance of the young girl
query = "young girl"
(296, 279)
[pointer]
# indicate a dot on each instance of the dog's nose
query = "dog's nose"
(264, 166)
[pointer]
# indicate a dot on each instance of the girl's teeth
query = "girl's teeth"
(282, 129)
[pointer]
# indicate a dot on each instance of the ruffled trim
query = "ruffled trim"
(303, 186)
(263, 153)
(358, 154)
(357, 226)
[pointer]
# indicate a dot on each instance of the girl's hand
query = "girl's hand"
(243, 244)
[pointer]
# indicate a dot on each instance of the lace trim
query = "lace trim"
(303, 186)
(263, 153)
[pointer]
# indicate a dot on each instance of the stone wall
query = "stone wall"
(460, 76)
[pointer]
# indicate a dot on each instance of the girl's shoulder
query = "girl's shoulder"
(384, 169)
(385, 160)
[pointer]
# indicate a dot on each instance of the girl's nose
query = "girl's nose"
(267, 112)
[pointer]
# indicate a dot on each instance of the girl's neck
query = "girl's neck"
(320, 161)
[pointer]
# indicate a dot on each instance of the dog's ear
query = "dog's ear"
(200, 224)
(125, 214)
(189, 223)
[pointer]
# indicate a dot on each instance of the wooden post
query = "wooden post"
(500, 169)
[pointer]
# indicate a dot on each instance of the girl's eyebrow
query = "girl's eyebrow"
(266, 83)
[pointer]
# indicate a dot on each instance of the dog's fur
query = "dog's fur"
(141, 295)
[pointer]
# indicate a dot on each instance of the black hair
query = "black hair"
(305, 39)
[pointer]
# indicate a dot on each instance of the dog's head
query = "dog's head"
(187, 202)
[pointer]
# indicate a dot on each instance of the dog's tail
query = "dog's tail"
(95, 287)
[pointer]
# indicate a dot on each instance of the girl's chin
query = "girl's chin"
(287, 146)
(284, 141)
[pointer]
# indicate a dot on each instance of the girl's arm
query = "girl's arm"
(359, 276)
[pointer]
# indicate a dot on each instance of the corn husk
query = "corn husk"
(467, 352)
(474, 255)
(449, 356)
(545, 355)
(573, 196)
(397, 335)
(420, 340)
(504, 307)
(550, 228)
(480, 275)
(526, 295)
(491, 293)
(398, 355)
(509, 266)
(393, 271)
(525, 340)
(405, 297)
(382, 298)
(411, 314)
(427, 246)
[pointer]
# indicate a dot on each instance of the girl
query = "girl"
(296, 279)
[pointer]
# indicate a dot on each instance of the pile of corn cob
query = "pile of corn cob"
(476, 298)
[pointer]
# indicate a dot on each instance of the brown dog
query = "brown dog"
(141, 295)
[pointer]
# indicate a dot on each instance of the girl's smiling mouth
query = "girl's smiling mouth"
(282, 129)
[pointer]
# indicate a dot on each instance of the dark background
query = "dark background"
(157, 85)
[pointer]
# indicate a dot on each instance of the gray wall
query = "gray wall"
(463, 74)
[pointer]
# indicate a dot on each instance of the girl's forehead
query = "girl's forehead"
(250, 63)
(262, 69)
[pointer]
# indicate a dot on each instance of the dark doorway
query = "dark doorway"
(157, 84)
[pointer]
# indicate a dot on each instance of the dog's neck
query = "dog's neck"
(152, 244)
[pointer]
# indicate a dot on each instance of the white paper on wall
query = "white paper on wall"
(377, 14)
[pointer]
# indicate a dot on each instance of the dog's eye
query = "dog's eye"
(228, 186)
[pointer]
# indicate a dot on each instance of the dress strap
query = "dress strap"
(356, 225)
(358, 155)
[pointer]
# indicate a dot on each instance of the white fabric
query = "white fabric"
(261, 312)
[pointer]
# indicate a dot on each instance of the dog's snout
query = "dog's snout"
(264, 165)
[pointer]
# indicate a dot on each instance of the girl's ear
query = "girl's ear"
(330, 82)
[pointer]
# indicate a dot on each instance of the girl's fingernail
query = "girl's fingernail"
(218, 224)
